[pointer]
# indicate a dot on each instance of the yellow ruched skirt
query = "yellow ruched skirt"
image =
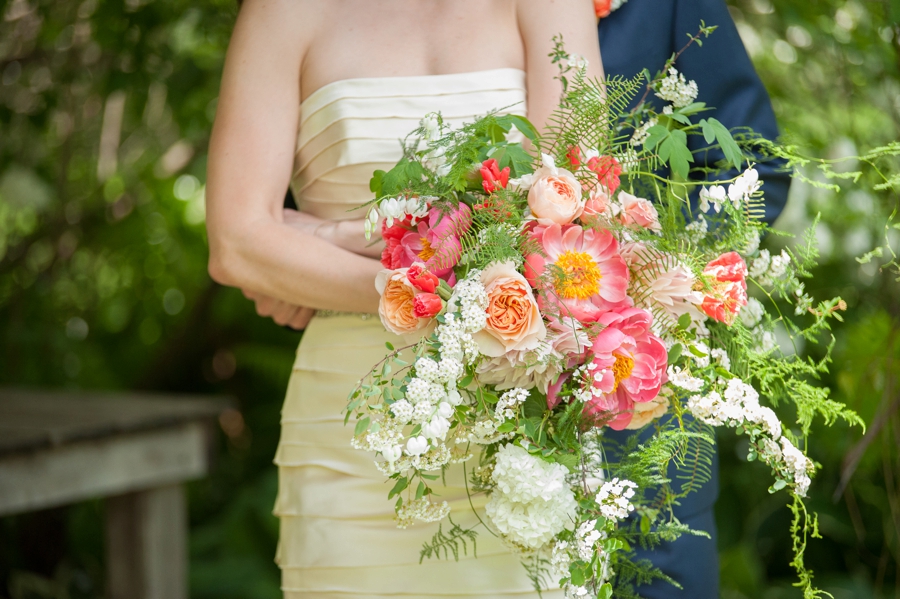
(338, 535)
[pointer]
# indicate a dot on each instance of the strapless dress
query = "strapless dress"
(338, 536)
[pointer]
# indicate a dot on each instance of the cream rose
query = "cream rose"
(555, 194)
(648, 411)
(396, 307)
(638, 211)
(514, 322)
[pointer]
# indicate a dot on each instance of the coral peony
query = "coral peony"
(629, 366)
(727, 292)
(581, 275)
(514, 322)
(638, 212)
(434, 241)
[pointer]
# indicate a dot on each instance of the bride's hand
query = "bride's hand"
(283, 313)
(346, 234)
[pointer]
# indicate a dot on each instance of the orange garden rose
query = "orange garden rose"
(513, 319)
(397, 305)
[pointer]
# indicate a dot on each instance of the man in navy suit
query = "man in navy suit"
(643, 34)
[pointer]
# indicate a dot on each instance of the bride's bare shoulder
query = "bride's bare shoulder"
(285, 24)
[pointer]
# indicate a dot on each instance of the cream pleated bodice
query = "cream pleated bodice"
(352, 127)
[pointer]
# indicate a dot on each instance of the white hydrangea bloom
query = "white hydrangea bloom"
(676, 89)
(531, 502)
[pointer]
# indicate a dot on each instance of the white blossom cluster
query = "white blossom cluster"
(640, 134)
(422, 510)
(531, 501)
(676, 89)
(752, 317)
(509, 403)
(614, 496)
(432, 126)
(575, 61)
(767, 269)
(739, 406)
(697, 229)
(628, 160)
(684, 380)
(586, 537)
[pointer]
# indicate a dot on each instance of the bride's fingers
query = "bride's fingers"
(301, 318)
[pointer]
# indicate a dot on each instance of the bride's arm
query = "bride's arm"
(251, 158)
(539, 21)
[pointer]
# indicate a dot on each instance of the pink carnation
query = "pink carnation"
(581, 273)
(629, 366)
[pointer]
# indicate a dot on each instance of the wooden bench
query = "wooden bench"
(135, 450)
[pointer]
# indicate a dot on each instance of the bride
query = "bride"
(316, 94)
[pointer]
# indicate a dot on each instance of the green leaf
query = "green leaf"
(675, 353)
(401, 484)
(677, 116)
(568, 460)
(655, 135)
(645, 525)
(577, 575)
(729, 147)
(605, 592)
(674, 150)
(535, 405)
(709, 134)
(506, 427)
(420, 491)
(684, 321)
(362, 426)
(375, 183)
(779, 485)
(519, 160)
(523, 125)
(388, 345)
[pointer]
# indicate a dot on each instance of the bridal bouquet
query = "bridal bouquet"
(552, 291)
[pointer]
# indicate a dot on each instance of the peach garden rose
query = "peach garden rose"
(397, 307)
(555, 194)
(514, 322)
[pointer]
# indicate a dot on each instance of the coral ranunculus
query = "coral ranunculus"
(602, 8)
(581, 275)
(608, 170)
(427, 305)
(421, 279)
(629, 366)
(728, 287)
(492, 178)
(514, 322)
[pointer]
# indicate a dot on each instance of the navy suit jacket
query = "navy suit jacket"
(643, 34)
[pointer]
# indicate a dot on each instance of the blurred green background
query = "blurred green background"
(105, 112)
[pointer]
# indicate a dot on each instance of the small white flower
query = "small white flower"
(431, 125)
(417, 445)
(676, 89)
(576, 61)
(436, 428)
(393, 453)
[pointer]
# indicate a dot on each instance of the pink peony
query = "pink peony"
(586, 277)
(629, 366)
(598, 207)
(434, 241)
(728, 287)
(638, 212)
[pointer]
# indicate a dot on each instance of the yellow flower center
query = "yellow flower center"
(580, 276)
(622, 369)
(427, 252)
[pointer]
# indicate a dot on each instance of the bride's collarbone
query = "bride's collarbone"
(398, 38)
